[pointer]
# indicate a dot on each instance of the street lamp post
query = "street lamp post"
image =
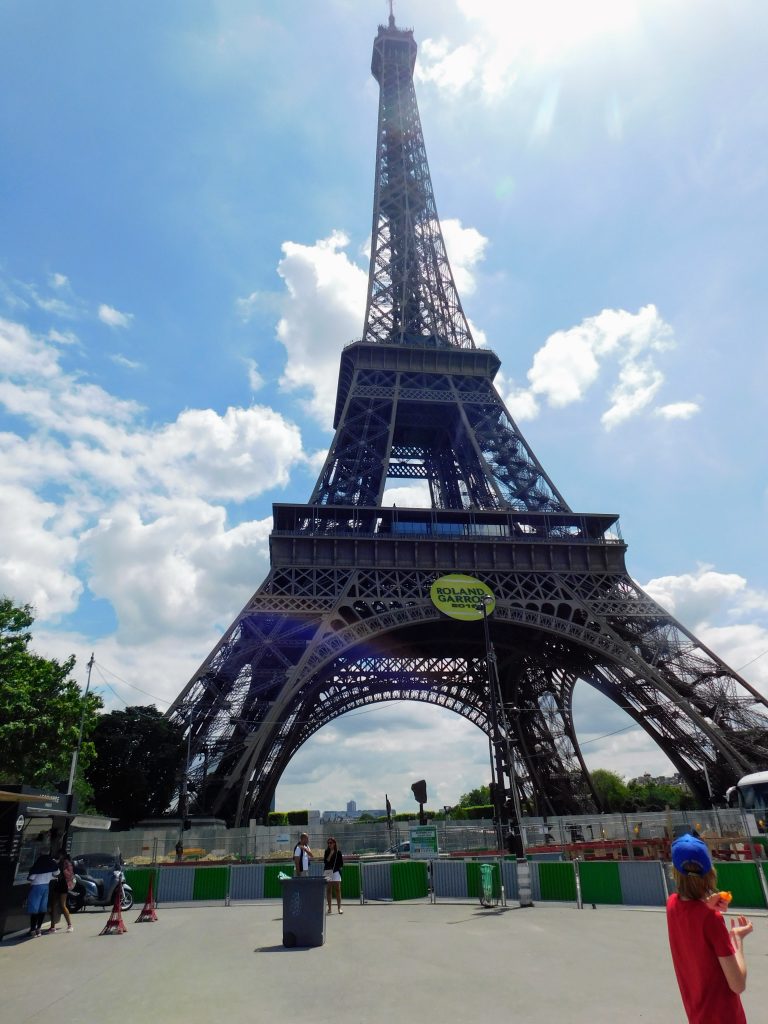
(76, 752)
(497, 770)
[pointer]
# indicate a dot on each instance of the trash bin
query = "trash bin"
(486, 885)
(303, 911)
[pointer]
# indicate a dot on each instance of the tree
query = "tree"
(644, 794)
(139, 756)
(40, 707)
(611, 790)
(476, 797)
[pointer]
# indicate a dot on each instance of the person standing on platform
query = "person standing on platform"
(707, 957)
(333, 862)
(61, 886)
(39, 878)
(302, 855)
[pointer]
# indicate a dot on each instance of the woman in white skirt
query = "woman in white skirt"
(333, 862)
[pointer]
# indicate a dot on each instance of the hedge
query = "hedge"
(287, 818)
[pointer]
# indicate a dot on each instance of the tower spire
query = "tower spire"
(412, 297)
(391, 13)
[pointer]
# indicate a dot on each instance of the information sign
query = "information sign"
(423, 842)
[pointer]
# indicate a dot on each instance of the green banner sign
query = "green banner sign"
(461, 597)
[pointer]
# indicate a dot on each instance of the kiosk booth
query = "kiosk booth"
(32, 821)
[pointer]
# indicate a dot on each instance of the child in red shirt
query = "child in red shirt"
(708, 959)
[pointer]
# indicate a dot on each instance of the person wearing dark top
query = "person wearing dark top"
(333, 862)
(39, 878)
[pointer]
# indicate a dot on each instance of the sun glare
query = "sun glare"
(550, 28)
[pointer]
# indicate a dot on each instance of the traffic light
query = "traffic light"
(419, 790)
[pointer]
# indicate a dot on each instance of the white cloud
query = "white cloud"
(38, 554)
(231, 457)
(323, 311)
(678, 410)
(383, 749)
(58, 280)
(570, 362)
(450, 69)
(724, 612)
(176, 570)
(62, 337)
(500, 42)
(639, 383)
(113, 317)
(522, 405)
(125, 362)
(697, 597)
(465, 248)
(134, 513)
(414, 495)
(255, 380)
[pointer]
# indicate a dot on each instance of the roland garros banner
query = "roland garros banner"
(461, 597)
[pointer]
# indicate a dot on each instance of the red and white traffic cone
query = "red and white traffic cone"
(115, 922)
(149, 910)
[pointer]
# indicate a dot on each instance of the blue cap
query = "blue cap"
(690, 855)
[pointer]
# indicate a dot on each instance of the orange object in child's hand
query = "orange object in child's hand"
(727, 896)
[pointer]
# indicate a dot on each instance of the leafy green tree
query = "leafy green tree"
(476, 797)
(140, 755)
(647, 795)
(40, 707)
(611, 789)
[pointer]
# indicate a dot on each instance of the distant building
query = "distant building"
(351, 809)
(375, 813)
(335, 816)
(313, 817)
(661, 780)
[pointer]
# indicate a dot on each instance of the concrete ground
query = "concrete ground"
(380, 962)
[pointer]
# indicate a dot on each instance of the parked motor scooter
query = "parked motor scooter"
(91, 891)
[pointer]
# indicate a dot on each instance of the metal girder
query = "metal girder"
(548, 633)
(453, 433)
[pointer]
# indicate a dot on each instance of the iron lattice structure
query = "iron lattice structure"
(344, 618)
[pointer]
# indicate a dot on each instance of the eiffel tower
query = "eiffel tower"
(345, 618)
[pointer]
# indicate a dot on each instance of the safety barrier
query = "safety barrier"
(394, 880)
(553, 882)
(580, 883)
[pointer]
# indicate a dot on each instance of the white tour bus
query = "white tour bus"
(750, 795)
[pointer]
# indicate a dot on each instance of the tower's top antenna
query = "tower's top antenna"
(391, 13)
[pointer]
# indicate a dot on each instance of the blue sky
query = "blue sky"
(185, 203)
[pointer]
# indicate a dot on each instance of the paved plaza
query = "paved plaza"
(415, 961)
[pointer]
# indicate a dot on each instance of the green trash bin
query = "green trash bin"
(486, 885)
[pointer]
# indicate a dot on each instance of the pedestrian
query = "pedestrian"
(61, 885)
(39, 878)
(179, 850)
(333, 863)
(707, 957)
(302, 855)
